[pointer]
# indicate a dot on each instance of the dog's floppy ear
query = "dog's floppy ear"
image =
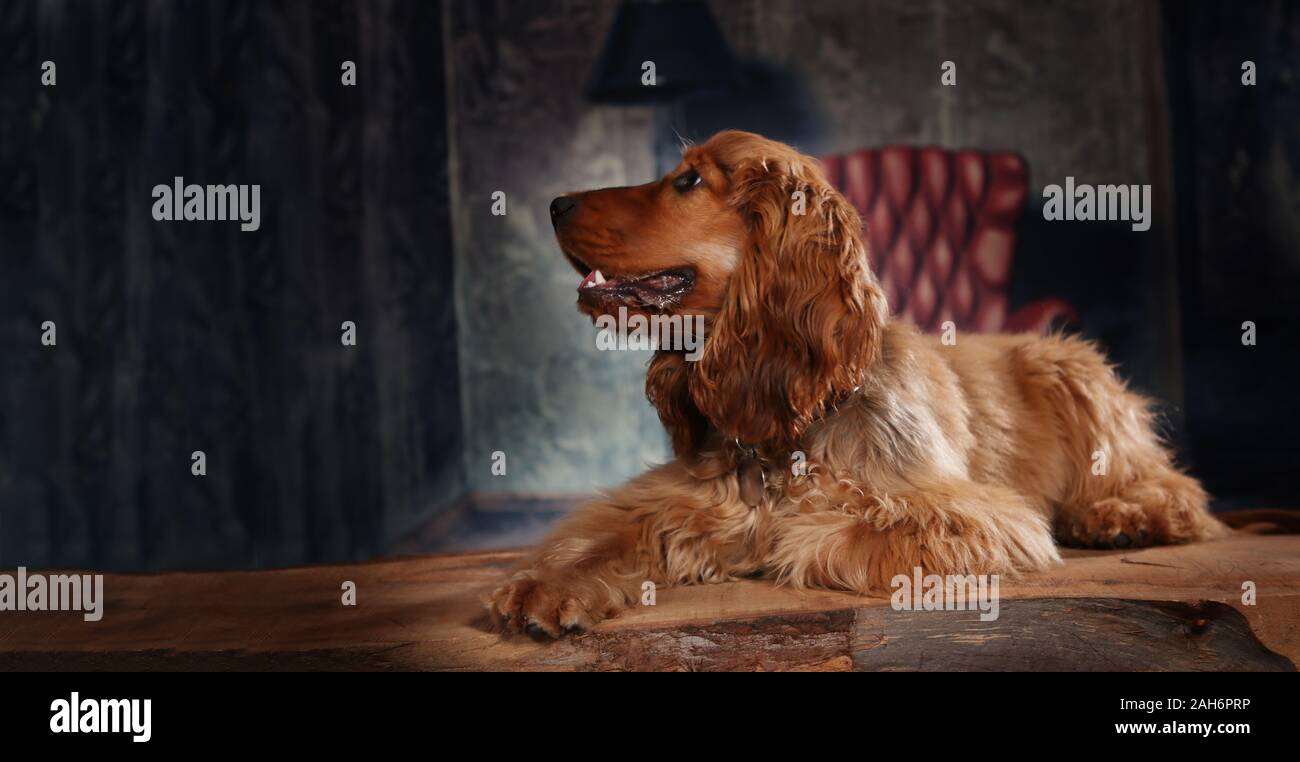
(803, 314)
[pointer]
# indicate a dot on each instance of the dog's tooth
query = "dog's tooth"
(600, 277)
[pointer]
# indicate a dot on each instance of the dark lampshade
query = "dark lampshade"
(681, 38)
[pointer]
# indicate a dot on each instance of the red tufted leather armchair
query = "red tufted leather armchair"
(941, 227)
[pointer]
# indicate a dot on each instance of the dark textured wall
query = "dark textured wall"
(175, 337)
(1238, 161)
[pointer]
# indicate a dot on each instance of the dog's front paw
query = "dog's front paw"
(1112, 523)
(550, 603)
(1144, 517)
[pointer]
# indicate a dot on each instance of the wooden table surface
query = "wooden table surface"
(1150, 609)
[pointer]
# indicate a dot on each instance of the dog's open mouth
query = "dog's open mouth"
(654, 291)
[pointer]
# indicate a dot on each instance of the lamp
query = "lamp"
(680, 38)
(683, 42)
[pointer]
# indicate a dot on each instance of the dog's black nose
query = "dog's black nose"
(560, 207)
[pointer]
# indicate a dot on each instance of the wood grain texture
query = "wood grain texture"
(1153, 609)
(1065, 634)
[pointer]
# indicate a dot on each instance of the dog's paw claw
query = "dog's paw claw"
(1109, 524)
(546, 606)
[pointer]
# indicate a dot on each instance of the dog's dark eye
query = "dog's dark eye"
(687, 180)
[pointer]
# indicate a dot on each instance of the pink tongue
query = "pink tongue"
(590, 277)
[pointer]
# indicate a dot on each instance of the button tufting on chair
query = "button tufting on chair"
(941, 228)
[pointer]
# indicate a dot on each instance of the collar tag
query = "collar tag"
(753, 481)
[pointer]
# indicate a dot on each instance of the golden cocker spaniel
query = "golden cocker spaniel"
(961, 459)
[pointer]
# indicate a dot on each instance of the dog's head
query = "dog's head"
(747, 233)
